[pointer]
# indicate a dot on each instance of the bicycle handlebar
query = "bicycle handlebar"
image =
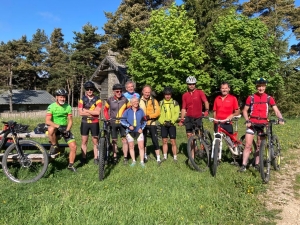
(226, 120)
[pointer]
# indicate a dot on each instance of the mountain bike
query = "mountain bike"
(200, 141)
(269, 152)
(235, 146)
(24, 161)
(105, 146)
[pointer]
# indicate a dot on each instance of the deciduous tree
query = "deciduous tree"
(165, 53)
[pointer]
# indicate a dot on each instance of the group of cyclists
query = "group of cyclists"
(134, 115)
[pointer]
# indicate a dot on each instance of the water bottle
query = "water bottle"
(229, 141)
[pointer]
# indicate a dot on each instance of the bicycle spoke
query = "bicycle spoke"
(27, 168)
(264, 161)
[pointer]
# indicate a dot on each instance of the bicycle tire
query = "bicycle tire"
(207, 138)
(216, 156)
(29, 169)
(200, 161)
(101, 156)
(264, 161)
(276, 155)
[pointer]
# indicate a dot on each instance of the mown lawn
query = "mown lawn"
(169, 194)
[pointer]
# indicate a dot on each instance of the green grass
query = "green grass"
(170, 194)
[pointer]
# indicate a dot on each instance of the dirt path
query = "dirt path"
(282, 194)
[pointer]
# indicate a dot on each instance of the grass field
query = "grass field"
(169, 194)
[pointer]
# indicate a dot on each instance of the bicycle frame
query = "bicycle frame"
(222, 134)
(10, 130)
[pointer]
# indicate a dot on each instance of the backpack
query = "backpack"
(153, 103)
(252, 100)
(41, 128)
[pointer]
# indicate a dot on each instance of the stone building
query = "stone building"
(108, 73)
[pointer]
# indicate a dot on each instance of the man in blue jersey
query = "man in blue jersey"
(130, 86)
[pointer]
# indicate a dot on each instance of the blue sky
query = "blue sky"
(24, 17)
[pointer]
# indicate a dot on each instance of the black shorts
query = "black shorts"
(258, 128)
(117, 128)
(190, 121)
(226, 126)
(168, 132)
(86, 127)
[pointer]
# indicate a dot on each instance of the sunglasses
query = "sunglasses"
(191, 84)
(89, 89)
(118, 91)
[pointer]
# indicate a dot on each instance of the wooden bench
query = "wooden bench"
(38, 157)
(33, 157)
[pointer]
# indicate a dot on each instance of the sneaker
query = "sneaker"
(53, 149)
(71, 168)
(115, 160)
(242, 168)
(133, 164)
(125, 161)
(96, 161)
(256, 167)
(159, 163)
(142, 164)
(175, 160)
(163, 159)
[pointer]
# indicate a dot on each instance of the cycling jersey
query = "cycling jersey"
(90, 104)
(59, 113)
(225, 107)
(151, 108)
(114, 107)
(260, 107)
(129, 95)
(169, 111)
(192, 103)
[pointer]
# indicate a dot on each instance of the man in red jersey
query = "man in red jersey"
(191, 110)
(225, 107)
(257, 120)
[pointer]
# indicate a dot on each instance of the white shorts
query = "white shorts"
(131, 136)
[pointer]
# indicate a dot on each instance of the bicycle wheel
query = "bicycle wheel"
(264, 161)
(207, 138)
(29, 168)
(101, 156)
(216, 151)
(276, 156)
(200, 158)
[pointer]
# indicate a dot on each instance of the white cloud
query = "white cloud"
(49, 16)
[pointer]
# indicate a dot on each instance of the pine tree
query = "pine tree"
(130, 15)
(86, 55)
(58, 63)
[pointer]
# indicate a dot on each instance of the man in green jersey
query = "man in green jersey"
(59, 122)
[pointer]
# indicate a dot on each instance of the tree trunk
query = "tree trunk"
(10, 90)
(81, 87)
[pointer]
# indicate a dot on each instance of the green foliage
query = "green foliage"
(165, 54)
(242, 53)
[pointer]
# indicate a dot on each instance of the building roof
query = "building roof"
(27, 97)
(110, 63)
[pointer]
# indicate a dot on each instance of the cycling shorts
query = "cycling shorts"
(226, 126)
(115, 129)
(259, 129)
(153, 132)
(85, 128)
(67, 139)
(134, 135)
(190, 121)
(168, 132)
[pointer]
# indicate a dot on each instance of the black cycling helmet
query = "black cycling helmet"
(89, 84)
(167, 91)
(61, 92)
(261, 80)
(117, 87)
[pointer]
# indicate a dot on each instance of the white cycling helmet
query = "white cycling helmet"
(191, 80)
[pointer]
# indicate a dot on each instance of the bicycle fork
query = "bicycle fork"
(218, 136)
